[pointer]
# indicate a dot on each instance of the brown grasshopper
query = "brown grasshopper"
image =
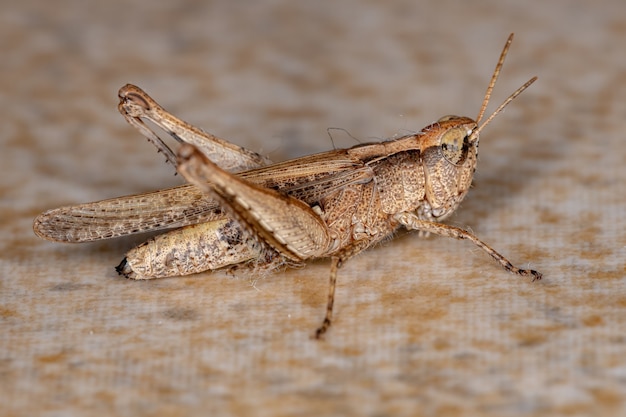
(240, 209)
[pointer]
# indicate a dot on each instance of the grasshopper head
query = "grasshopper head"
(449, 151)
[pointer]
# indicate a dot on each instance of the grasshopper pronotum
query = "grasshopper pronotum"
(241, 209)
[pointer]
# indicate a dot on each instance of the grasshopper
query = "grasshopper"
(240, 209)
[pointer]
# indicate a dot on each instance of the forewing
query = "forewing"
(164, 209)
(308, 179)
(313, 177)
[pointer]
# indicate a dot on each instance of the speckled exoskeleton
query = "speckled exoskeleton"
(241, 209)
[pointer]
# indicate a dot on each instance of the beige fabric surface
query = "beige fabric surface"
(427, 327)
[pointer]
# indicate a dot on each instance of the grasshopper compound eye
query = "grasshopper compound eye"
(454, 144)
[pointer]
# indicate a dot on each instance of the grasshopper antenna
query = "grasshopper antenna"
(490, 87)
(341, 129)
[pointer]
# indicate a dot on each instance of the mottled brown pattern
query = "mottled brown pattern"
(426, 326)
(288, 212)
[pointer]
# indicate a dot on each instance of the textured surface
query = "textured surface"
(423, 326)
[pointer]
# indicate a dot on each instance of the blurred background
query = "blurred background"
(423, 326)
